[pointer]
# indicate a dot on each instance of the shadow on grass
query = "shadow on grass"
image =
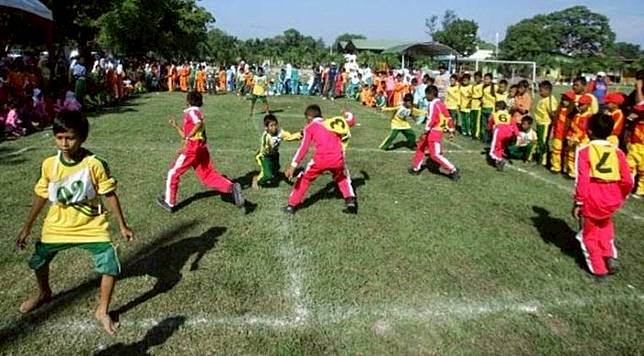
(117, 108)
(12, 331)
(249, 207)
(156, 336)
(165, 264)
(401, 144)
(330, 191)
(557, 232)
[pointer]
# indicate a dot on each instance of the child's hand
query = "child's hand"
(21, 240)
(127, 233)
(289, 172)
(576, 210)
(451, 137)
(173, 123)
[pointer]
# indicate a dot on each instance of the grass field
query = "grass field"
(488, 265)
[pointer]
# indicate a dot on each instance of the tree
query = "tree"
(460, 34)
(221, 47)
(626, 50)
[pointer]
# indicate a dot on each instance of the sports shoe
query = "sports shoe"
(455, 175)
(351, 206)
(413, 172)
(600, 279)
(500, 165)
(163, 205)
(613, 265)
(238, 195)
(288, 210)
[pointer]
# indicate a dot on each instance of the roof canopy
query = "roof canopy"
(423, 49)
(33, 7)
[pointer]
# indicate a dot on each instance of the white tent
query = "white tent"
(33, 7)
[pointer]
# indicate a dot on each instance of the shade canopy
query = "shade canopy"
(33, 7)
(423, 49)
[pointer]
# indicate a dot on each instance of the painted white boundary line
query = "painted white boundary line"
(17, 153)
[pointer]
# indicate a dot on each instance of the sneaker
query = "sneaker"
(455, 175)
(613, 265)
(351, 206)
(238, 195)
(290, 210)
(601, 279)
(163, 205)
(500, 165)
(413, 172)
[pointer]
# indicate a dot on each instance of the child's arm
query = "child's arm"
(36, 207)
(176, 126)
(287, 136)
(115, 207)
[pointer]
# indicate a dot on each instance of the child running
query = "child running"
(438, 123)
(328, 157)
(260, 88)
(399, 123)
(603, 184)
(195, 154)
(74, 181)
(268, 157)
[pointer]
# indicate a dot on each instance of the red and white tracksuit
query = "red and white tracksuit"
(438, 122)
(504, 130)
(328, 157)
(195, 155)
(599, 200)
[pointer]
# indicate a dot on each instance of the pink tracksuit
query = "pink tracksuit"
(194, 155)
(599, 200)
(502, 136)
(328, 157)
(438, 121)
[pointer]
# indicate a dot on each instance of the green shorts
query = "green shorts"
(261, 98)
(106, 260)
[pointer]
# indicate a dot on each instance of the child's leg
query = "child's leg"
(542, 150)
(265, 100)
(107, 287)
(386, 144)
(555, 155)
(607, 240)
(589, 237)
(475, 117)
(342, 178)
(457, 120)
(253, 100)
(436, 154)
(419, 156)
(302, 184)
(483, 131)
(44, 290)
(179, 167)
(411, 138)
(496, 147)
(570, 160)
(209, 176)
(635, 159)
(266, 171)
(465, 123)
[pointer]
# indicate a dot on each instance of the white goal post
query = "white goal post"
(479, 62)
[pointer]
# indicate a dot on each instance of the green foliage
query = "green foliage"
(460, 34)
(626, 50)
(289, 47)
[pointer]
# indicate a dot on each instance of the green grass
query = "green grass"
(484, 266)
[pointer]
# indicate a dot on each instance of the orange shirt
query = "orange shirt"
(637, 137)
(523, 102)
(248, 78)
(618, 118)
(398, 92)
(201, 76)
(579, 128)
(559, 128)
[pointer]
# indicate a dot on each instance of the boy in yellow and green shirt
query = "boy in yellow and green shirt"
(260, 89)
(475, 113)
(452, 98)
(464, 105)
(268, 157)
(399, 123)
(488, 102)
(544, 114)
(74, 181)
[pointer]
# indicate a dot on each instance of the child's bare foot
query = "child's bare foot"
(107, 323)
(33, 303)
(255, 183)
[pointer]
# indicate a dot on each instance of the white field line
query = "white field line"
(16, 153)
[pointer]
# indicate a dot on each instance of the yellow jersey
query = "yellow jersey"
(400, 115)
(489, 98)
(502, 97)
(453, 97)
(477, 96)
(546, 110)
(466, 97)
(259, 85)
(74, 189)
(270, 143)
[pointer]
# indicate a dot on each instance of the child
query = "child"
(195, 154)
(398, 91)
(260, 87)
(511, 94)
(464, 106)
(438, 123)
(502, 92)
(560, 129)
(328, 157)
(613, 102)
(365, 96)
(380, 99)
(504, 129)
(74, 180)
(526, 141)
(222, 78)
(452, 99)
(475, 105)
(522, 101)
(201, 80)
(579, 87)
(399, 123)
(419, 98)
(636, 148)
(544, 114)
(268, 157)
(488, 103)
(603, 183)
(577, 133)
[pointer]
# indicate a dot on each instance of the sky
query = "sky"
(377, 19)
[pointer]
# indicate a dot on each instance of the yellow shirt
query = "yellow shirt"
(546, 110)
(270, 143)
(489, 98)
(260, 84)
(74, 189)
(453, 97)
(502, 97)
(400, 116)
(594, 105)
(466, 97)
(477, 95)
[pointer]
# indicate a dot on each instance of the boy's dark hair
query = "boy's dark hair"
(408, 98)
(453, 76)
(601, 126)
(527, 119)
(503, 81)
(195, 99)
(313, 111)
(488, 75)
(478, 74)
(414, 81)
(523, 84)
(268, 119)
(500, 105)
(432, 89)
(581, 80)
(431, 81)
(71, 121)
(545, 85)
(466, 76)
(639, 75)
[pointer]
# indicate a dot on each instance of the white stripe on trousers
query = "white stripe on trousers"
(580, 238)
(178, 163)
(439, 156)
(493, 145)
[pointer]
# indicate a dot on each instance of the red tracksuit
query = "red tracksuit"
(194, 155)
(328, 157)
(504, 129)
(438, 122)
(599, 200)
